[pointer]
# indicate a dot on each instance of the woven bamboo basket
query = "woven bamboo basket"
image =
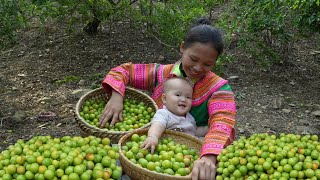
(99, 94)
(138, 173)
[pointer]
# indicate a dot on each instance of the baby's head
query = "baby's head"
(177, 95)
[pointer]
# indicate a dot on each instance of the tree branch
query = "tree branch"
(161, 41)
(133, 2)
(113, 3)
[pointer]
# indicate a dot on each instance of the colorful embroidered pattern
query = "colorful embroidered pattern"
(205, 87)
(142, 76)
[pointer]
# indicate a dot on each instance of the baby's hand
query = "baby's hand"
(151, 141)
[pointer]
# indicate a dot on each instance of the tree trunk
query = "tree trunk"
(92, 26)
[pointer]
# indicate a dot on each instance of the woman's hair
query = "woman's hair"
(203, 32)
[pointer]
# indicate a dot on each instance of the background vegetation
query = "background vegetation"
(270, 25)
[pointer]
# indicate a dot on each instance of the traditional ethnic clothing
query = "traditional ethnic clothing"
(213, 101)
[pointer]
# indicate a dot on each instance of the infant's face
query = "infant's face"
(178, 99)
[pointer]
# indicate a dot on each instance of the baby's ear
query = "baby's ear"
(163, 97)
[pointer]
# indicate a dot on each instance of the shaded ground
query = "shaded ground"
(281, 99)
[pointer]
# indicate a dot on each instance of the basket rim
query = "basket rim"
(106, 130)
(167, 131)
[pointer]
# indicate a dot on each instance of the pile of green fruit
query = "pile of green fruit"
(135, 114)
(264, 156)
(169, 157)
(66, 158)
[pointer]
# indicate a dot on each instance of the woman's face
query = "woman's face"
(198, 59)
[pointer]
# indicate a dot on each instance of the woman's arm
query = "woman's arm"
(141, 76)
(222, 112)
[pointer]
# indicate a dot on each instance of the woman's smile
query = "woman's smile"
(198, 59)
(194, 72)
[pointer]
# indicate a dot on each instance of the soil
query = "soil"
(34, 75)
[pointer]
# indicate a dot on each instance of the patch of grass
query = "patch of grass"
(97, 79)
(97, 76)
(67, 79)
(95, 86)
(221, 64)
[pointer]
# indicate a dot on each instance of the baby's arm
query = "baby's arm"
(154, 133)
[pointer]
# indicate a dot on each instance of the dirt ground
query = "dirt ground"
(283, 98)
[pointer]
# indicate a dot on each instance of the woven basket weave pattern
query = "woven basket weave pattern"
(99, 94)
(139, 173)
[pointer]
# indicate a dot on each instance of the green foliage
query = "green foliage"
(169, 20)
(306, 14)
(166, 20)
(12, 17)
(222, 61)
(73, 13)
(268, 21)
(265, 27)
(67, 79)
(97, 76)
(95, 85)
(16, 14)
(209, 5)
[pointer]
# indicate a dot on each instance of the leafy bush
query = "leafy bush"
(12, 17)
(307, 14)
(222, 61)
(265, 28)
(16, 14)
(169, 20)
(166, 20)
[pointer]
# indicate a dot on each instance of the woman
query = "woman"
(213, 101)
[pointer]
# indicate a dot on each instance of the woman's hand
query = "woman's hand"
(150, 142)
(205, 168)
(113, 110)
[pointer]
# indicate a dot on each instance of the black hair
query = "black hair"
(203, 32)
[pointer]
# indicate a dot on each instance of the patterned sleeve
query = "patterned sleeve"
(222, 112)
(140, 76)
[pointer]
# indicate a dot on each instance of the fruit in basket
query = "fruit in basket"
(264, 156)
(45, 157)
(168, 157)
(135, 114)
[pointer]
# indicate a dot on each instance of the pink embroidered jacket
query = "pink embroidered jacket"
(210, 98)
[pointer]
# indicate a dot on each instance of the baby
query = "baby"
(177, 100)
